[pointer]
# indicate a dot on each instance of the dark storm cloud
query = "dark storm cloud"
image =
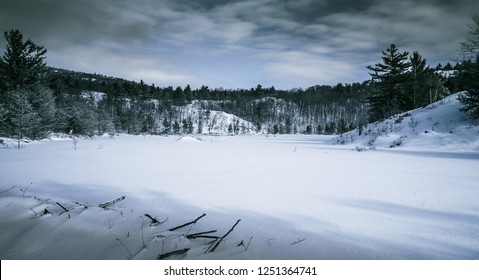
(79, 21)
(285, 43)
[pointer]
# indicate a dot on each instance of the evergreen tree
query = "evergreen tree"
(319, 129)
(23, 63)
(309, 129)
(19, 116)
(29, 106)
(81, 118)
(342, 126)
(470, 47)
(470, 73)
(288, 126)
(176, 127)
(184, 126)
(200, 123)
(390, 80)
(43, 104)
(166, 126)
(275, 129)
(29, 113)
(420, 74)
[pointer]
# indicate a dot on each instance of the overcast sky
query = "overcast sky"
(237, 44)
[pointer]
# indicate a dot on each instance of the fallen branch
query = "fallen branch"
(245, 246)
(223, 237)
(298, 241)
(8, 190)
(108, 203)
(66, 210)
(187, 224)
(80, 204)
(153, 220)
(169, 254)
(249, 242)
(193, 235)
(24, 191)
(204, 236)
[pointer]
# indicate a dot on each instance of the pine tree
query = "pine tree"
(176, 127)
(19, 116)
(470, 47)
(390, 80)
(23, 63)
(470, 72)
(420, 74)
(43, 104)
(29, 106)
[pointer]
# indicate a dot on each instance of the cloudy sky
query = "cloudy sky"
(237, 44)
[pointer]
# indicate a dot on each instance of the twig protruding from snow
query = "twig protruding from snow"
(172, 253)
(8, 190)
(113, 201)
(66, 210)
(298, 241)
(223, 237)
(153, 220)
(187, 224)
(201, 234)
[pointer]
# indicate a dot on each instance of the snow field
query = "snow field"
(297, 197)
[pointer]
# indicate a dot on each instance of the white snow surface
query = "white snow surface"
(93, 96)
(298, 197)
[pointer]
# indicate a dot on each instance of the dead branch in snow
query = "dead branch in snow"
(195, 235)
(113, 201)
(124, 246)
(223, 237)
(153, 220)
(187, 224)
(66, 210)
(206, 237)
(8, 190)
(172, 253)
(298, 241)
(25, 190)
(247, 245)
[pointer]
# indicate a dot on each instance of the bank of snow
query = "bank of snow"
(190, 139)
(440, 125)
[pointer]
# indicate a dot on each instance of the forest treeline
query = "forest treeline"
(36, 99)
(133, 107)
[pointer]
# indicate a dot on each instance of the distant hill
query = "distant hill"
(91, 104)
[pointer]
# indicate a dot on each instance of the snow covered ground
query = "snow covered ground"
(438, 126)
(298, 197)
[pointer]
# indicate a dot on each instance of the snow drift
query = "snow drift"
(440, 125)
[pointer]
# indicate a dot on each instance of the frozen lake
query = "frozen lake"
(298, 197)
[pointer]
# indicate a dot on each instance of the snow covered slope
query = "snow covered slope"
(440, 125)
(215, 122)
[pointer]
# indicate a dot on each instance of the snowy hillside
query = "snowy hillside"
(440, 125)
(214, 122)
